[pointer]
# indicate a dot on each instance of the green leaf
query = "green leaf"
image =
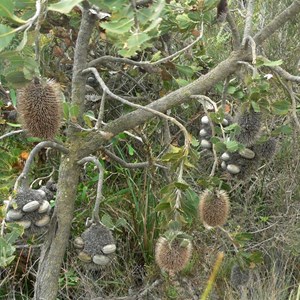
(66, 110)
(194, 142)
(23, 42)
(281, 107)
(232, 128)
(210, 4)
(131, 151)
(174, 225)
(185, 70)
(255, 106)
(231, 90)
(64, 6)
(284, 129)
(273, 63)
(243, 237)
(232, 146)
(7, 10)
(181, 185)
(162, 206)
(14, 125)
(107, 221)
(6, 35)
(137, 39)
(184, 22)
(119, 26)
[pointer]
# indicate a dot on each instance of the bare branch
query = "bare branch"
(140, 63)
(294, 106)
(288, 14)
(11, 133)
(146, 108)
(236, 39)
(127, 165)
(22, 180)
(93, 159)
(285, 74)
(248, 22)
(101, 112)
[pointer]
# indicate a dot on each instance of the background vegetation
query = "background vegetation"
(262, 233)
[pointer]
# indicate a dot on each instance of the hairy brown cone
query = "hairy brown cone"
(172, 256)
(39, 108)
(214, 208)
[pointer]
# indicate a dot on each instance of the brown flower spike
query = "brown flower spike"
(173, 256)
(39, 108)
(214, 208)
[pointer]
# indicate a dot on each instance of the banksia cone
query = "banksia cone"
(173, 256)
(267, 149)
(39, 108)
(250, 124)
(214, 208)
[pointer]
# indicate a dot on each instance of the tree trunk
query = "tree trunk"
(53, 251)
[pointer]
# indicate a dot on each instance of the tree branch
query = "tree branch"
(146, 108)
(10, 133)
(22, 180)
(95, 215)
(125, 164)
(287, 15)
(286, 75)
(107, 58)
(248, 22)
(80, 59)
(236, 39)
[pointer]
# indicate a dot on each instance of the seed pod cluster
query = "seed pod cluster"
(243, 163)
(95, 246)
(31, 209)
(240, 164)
(250, 125)
(214, 208)
(238, 277)
(173, 255)
(39, 108)
(206, 132)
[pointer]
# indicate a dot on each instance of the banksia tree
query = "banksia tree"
(214, 208)
(173, 255)
(39, 108)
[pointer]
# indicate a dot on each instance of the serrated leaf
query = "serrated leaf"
(66, 110)
(7, 10)
(174, 225)
(281, 107)
(119, 26)
(6, 35)
(231, 90)
(273, 63)
(64, 6)
(243, 237)
(184, 22)
(185, 70)
(137, 39)
(232, 146)
(194, 142)
(107, 221)
(181, 185)
(162, 206)
(23, 42)
(255, 106)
